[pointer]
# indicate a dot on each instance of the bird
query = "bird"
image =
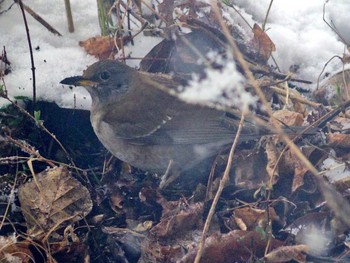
(140, 122)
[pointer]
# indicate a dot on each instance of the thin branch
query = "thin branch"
(267, 15)
(30, 51)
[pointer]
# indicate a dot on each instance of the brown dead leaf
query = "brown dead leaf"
(339, 124)
(287, 253)
(292, 164)
(262, 43)
(102, 47)
(178, 220)
(338, 140)
(235, 246)
(251, 218)
(13, 251)
(272, 167)
(53, 199)
(166, 8)
(250, 169)
(116, 200)
(289, 118)
(343, 184)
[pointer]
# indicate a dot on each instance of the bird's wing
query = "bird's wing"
(164, 119)
(196, 125)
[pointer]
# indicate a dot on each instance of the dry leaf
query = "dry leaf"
(272, 161)
(292, 164)
(290, 118)
(287, 253)
(250, 169)
(235, 246)
(13, 251)
(54, 198)
(262, 43)
(251, 218)
(166, 8)
(338, 140)
(239, 222)
(179, 220)
(101, 47)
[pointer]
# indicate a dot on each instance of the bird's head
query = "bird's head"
(104, 80)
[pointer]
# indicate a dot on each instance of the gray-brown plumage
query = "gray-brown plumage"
(145, 126)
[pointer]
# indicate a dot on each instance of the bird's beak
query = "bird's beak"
(78, 81)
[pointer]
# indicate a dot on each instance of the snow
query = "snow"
(334, 170)
(300, 35)
(296, 27)
(212, 91)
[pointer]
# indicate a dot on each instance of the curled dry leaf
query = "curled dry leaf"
(53, 199)
(287, 253)
(262, 43)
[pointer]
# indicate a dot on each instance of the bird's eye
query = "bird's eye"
(105, 75)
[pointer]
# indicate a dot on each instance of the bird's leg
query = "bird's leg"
(169, 176)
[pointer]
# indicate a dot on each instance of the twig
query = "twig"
(42, 127)
(8, 9)
(9, 202)
(69, 16)
(267, 15)
(39, 19)
(239, 13)
(332, 27)
(294, 96)
(30, 51)
(324, 67)
(30, 150)
(345, 82)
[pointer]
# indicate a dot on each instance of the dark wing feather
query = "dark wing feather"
(167, 120)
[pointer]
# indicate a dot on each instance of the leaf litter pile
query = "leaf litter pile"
(65, 199)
